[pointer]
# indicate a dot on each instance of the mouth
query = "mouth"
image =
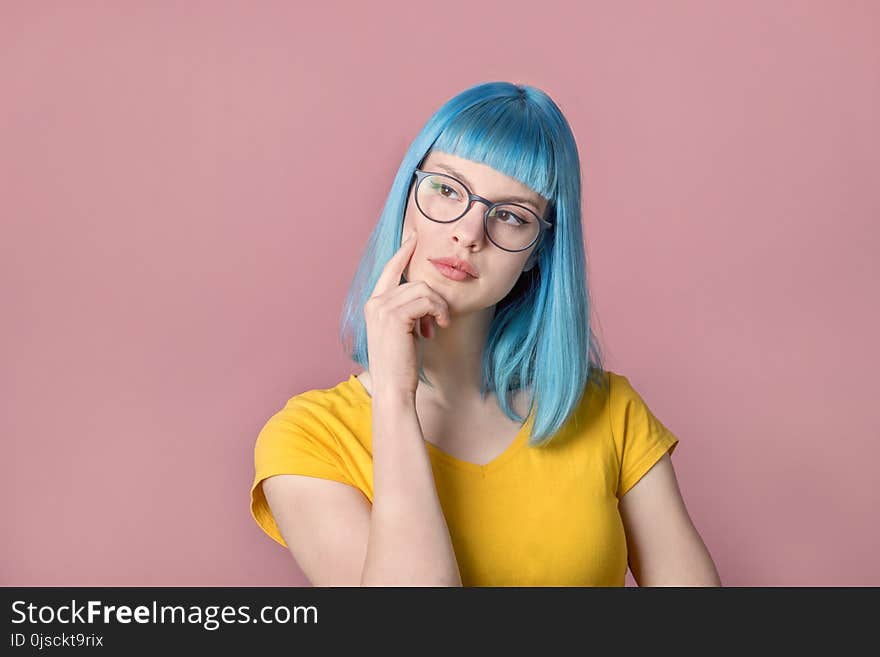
(451, 272)
(455, 263)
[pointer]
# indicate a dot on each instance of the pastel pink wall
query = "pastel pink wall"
(185, 190)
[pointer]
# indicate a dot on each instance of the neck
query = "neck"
(452, 360)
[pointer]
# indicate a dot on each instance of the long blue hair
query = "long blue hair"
(540, 338)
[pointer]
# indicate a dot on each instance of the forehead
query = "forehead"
(483, 179)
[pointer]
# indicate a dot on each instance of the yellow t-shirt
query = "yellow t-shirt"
(534, 516)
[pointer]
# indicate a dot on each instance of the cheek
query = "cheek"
(412, 227)
(510, 278)
(411, 222)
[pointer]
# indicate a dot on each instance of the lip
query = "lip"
(454, 274)
(455, 264)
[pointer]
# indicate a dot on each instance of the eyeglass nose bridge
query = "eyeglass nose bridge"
(474, 197)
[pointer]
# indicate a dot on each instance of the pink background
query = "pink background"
(185, 189)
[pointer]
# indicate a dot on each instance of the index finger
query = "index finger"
(393, 270)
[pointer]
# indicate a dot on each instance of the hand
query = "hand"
(393, 314)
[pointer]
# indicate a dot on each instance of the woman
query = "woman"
(483, 444)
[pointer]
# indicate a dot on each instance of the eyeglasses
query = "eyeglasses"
(509, 226)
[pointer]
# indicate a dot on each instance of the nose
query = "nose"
(469, 229)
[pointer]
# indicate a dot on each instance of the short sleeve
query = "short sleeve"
(640, 439)
(293, 441)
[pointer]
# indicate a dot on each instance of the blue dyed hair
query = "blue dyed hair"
(540, 337)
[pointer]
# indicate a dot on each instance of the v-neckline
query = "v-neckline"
(509, 452)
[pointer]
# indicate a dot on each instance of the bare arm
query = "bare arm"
(403, 540)
(664, 547)
(324, 523)
(335, 536)
(409, 543)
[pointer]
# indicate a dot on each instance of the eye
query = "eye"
(443, 190)
(504, 215)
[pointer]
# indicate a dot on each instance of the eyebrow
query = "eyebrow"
(511, 199)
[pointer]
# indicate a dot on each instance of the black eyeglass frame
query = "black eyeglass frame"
(543, 224)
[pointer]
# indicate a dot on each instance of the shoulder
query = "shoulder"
(620, 390)
(315, 431)
(624, 398)
(317, 413)
(340, 398)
